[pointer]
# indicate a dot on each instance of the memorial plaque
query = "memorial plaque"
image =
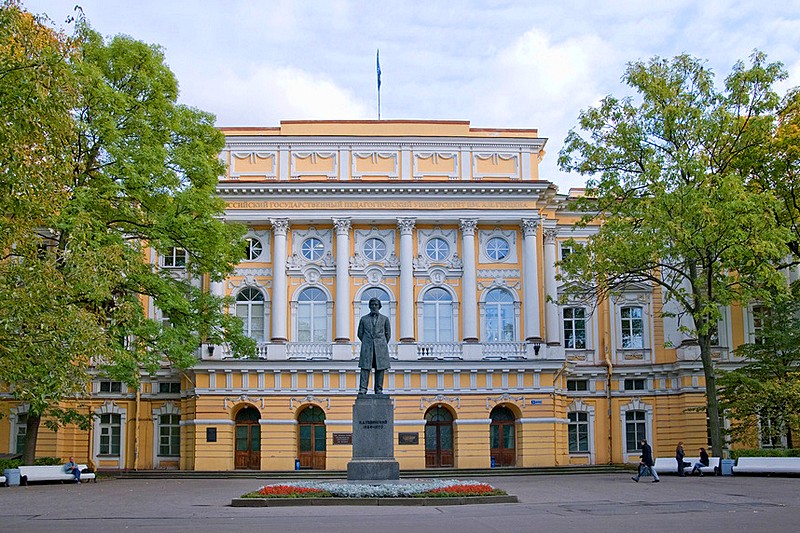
(343, 438)
(408, 438)
(211, 434)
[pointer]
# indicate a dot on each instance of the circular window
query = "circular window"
(254, 248)
(497, 248)
(374, 249)
(437, 249)
(312, 249)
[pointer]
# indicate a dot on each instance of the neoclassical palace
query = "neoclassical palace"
(453, 230)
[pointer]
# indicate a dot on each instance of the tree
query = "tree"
(763, 396)
(132, 178)
(670, 184)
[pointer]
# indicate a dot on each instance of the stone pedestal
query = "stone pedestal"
(373, 440)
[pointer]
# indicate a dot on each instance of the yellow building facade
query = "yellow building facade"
(453, 230)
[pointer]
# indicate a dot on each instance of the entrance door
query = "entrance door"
(247, 455)
(501, 437)
(438, 437)
(311, 444)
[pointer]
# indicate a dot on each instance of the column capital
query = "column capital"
(529, 226)
(342, 226)
(280, 226)
(550, 235)
(406, 225)
(468, 226)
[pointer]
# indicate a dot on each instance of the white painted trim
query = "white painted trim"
(207, 422)
(543, 420)
(470, 421)
(420, 422)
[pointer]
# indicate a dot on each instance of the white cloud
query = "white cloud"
(266, 95)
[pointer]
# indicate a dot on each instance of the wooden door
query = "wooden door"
(311, 442)
(438, 438)
(502, 437)
(247, 449)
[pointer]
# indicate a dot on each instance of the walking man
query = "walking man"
(648, 462)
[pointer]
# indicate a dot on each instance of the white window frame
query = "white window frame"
(587, 329)
(636, 404)
(108, 460)
(251, 241)
(171, 258)
(453, 324)
(515, 303)
(15, 425)
(250, 314)
(169, 408)
(578, 406)
(294, 308)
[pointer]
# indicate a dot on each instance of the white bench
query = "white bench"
(3, 480)
(767, 465)
(51, 473)
(669, 465)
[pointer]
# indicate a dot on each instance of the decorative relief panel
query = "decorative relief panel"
(314, 164)
(435, 165)
(374, 247)
(253, 165)
(495, 165)
(375, 164)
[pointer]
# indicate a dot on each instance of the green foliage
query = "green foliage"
(670, 182)
(102, 171)
(41, 461)
(765, 452)
(767, 386)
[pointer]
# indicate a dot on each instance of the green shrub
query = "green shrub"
(765, 452)
(48, 461)
(9, 463)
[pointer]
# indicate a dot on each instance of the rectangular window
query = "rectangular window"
(172, 387)
(759, 312)
(21, 431)
(635, 430)
(771, 434)
(169, 435)
(575, 328)
(635, 384)
(578, 432)
(110, 386)
(110, 431)
(577, 385)
(566, 249)
(175, 258)
(632, 326)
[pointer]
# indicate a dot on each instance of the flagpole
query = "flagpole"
(378, 71)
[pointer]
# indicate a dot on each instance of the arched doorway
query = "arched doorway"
(502, 436)
(247, 455)
(438, 437)
(311, 442)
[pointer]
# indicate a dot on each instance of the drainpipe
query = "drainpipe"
(610, 371)
(136, 428)
(556, 377)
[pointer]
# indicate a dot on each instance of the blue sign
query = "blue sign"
(536, 402)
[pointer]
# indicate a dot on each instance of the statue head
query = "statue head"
(374, 305)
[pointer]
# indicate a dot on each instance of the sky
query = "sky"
(496, 63)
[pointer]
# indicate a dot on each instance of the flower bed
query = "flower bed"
(458, 491)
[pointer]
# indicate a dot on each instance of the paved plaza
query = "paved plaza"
(592, 502)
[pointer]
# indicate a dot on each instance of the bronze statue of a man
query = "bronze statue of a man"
(374, 332)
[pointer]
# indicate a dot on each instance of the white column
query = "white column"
(551, 291)
(280, 227)
(530, 279)
(342, 226)
(406, 227)
(470, 280)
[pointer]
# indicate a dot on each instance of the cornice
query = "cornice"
(531, 190)
(326, 142)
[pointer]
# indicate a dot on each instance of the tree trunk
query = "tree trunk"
(31, 435)
(712, 404)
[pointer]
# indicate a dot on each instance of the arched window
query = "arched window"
(250, 308)
(502, 436)
(437, 314)
(311, 442)
(438, 437)
(499, 316)
(312, 316)
(373, 292)
(254, 248)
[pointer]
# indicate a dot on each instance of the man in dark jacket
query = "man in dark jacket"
(374, 333)
(648, 462)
